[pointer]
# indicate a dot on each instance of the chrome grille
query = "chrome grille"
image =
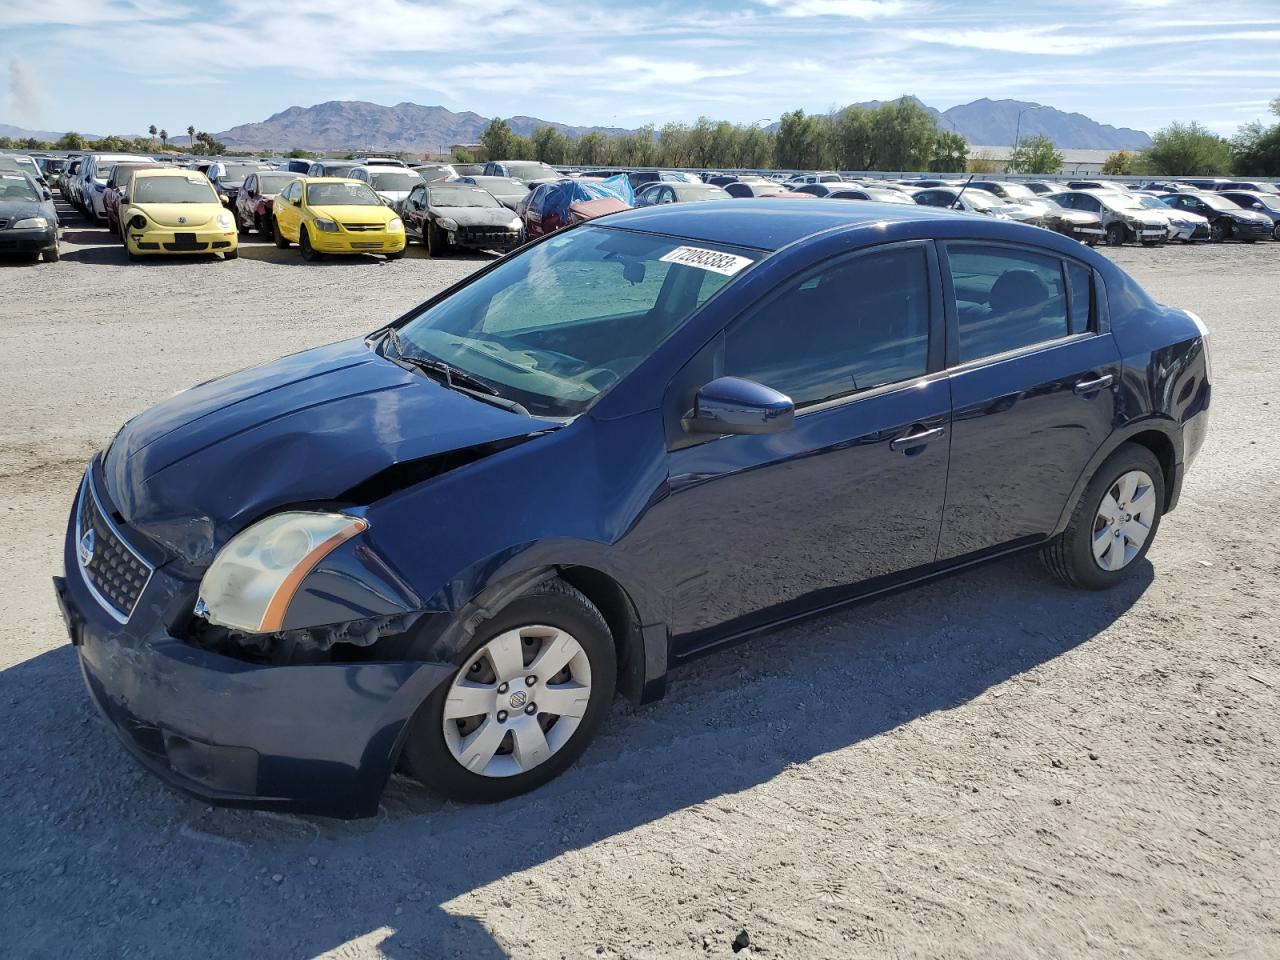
(363, 227)
(114, 572)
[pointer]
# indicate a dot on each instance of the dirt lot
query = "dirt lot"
(993, 766)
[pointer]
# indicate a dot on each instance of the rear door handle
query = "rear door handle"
(1093, 386)
(919, 439)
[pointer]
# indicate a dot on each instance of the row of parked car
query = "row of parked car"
(380, 204)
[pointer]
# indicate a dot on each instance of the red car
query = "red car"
(543, 210)
(117, 184)
(253, 204)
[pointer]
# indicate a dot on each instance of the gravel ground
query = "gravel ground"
(991, 766)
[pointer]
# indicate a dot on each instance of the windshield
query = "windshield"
(337, 169)
(888, 196)
(234, 173)
(555, 326)
(502, 186)
(394, 181)
(699, 192)
(432, 173)
(270, 183)
(461, 196)
(529, 171)
(1151, 203)
(1267, 200)
(1218, 203)
(342, 195)
(1017, 191)
(17, 187)
(153, 189)
(980, 199)
(1121, 201)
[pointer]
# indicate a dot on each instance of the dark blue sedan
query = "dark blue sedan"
(446, 545)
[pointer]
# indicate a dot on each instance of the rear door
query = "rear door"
(1033, 384)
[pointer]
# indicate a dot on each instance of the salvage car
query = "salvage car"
(28, 218)
(1123, 216)
(554, 206)
(254, 205)
(448, 216)
(1183, 226)
(525, 170)
(335, 215)
(392, 184)
(659, 193)
(228, 178)
(442, 546)
(118, 181)
(1227, 220)
(168, 212)
(766, 188)
(875, 194)
(1267, 204)
(971, 200)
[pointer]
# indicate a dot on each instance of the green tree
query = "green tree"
(191, 136)
(1188, 149)
(1121, 163)
(903, 135)
(591, 150)
(463, 156)
(756, 149)
(635, 149)
(70, 141)
(950, 153)
(153, 130)
(799, 141)
(673, 145)
(164, 138)
(498, 140)
(1035, 155)
(1255, 149)
(550, 145)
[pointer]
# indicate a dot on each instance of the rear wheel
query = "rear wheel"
(1275, 231)
(533, 687)
(281, 242)
(263, 226)
(1115, 235)
(1114, 523)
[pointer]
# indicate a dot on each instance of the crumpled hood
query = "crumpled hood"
(196, 469)
(475, 216)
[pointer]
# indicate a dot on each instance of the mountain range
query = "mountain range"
(342, 125)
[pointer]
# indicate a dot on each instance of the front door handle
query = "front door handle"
(911, 440)
(1093, 386)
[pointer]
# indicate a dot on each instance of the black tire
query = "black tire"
(1116, 235)
(1069, 556)
(263, 227)
(52, 255)
(555, 604)
(1219, 231)
(397, 255)
(241, 229)
(1275, 231)
(436, 247)
(232, 254)
(309, 252)
(279, 237)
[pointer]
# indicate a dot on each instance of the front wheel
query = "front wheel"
(1219, 231)
(1275, 231)
(52, 255)
(304, 244)
(232, 254)
(397, 255)
(1114, 523)
(1115, 235)
(533, 687)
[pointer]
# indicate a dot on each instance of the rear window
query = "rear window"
(194, 189)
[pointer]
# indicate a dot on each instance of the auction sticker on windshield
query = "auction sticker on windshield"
(714, 260)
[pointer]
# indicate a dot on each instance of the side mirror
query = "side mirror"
(224, 199)
(296, 201)
(1257, 206)
(385, 201)
(733, 405)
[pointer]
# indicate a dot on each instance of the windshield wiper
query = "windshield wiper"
(453, 377)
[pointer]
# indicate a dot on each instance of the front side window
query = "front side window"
(557, 325)
(1006, 299)
(860, 323)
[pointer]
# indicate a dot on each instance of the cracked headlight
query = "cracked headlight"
(448, 223)
(254, 577)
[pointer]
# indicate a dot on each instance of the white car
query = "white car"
(1183, 224)
(91, 181)
(392, 184)
(1123, 216)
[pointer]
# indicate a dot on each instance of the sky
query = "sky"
(117, 66)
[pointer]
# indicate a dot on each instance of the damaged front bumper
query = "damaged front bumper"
(316, 738)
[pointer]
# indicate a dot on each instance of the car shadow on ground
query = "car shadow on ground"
(732, 721)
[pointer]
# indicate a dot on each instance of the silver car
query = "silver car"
(1123, 216)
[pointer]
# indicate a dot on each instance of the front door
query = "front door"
(1033, 386)
(760, 527)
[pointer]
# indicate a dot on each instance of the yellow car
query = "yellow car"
(176, 211)
(335, 215)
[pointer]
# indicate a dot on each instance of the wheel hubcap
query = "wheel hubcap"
(517, 701)
(1123, 521)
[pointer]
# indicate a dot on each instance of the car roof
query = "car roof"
(764, 223)
(166, 172)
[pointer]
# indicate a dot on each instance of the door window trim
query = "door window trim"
(935, 356)
(953, 363)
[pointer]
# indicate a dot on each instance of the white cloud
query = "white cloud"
(26, 100)
(856, 9)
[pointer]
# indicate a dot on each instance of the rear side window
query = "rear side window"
(1006, 300)
(860, 323)
(1080, 296)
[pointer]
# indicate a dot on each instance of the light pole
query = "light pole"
(762, 120)
(1017, 130)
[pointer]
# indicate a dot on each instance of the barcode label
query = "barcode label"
(714, 260)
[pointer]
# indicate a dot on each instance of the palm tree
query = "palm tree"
(152, 130)
(191, 136)
(164, 138)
